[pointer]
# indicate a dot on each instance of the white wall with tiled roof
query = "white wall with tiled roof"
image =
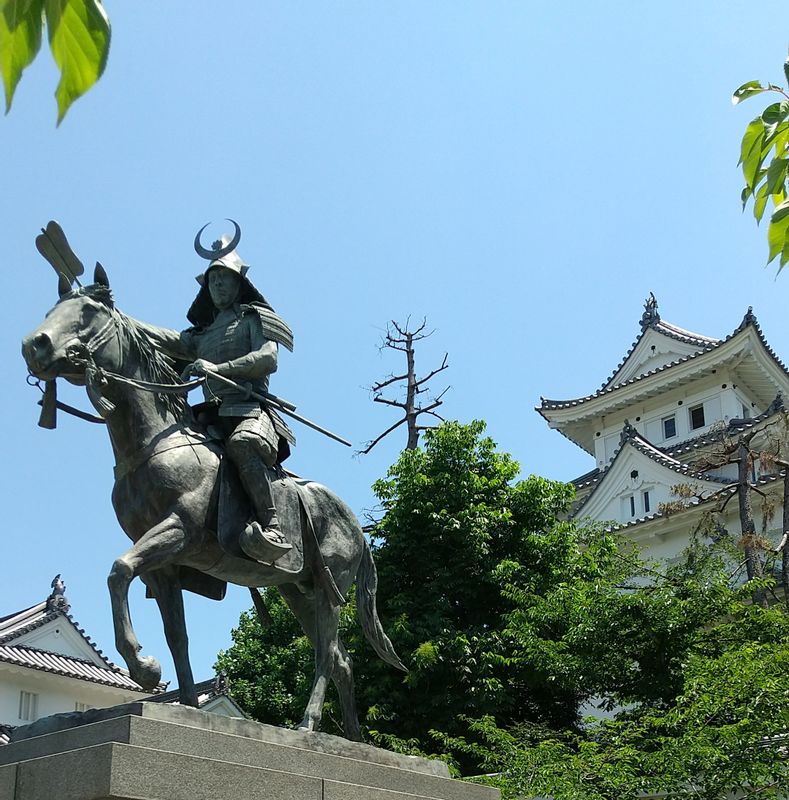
(49, 665)
(53, 693)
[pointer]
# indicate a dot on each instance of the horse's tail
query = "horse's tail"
(366, 586)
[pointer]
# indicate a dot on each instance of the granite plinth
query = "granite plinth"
(147, 751)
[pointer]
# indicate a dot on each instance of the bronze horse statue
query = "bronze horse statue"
(165, 497)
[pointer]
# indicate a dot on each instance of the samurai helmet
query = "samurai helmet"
(222, 253)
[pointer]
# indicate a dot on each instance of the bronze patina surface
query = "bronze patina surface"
(169, 467)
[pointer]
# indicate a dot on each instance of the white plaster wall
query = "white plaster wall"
(56, 693)
(667, 547)
(59, 636)
(719, 405)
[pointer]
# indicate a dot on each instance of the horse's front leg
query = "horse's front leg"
(166, 588)
(159, 547)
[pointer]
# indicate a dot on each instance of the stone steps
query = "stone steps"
(150, 752)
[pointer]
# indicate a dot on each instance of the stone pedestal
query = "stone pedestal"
(149, 751)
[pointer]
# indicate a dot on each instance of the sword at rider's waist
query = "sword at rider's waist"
(281, 405)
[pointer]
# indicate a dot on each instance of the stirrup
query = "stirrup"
(264, 545)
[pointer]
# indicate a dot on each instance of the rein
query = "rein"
(157, 388)
(81, 354)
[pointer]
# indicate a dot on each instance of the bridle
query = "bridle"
(80, 354)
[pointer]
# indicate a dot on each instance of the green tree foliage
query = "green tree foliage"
(509, 620)
(457, 532)
(268, 668)
(454, 519)
(767, 138)
(79, 39)
(718, 721)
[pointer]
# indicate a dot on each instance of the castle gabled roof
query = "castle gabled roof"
(18, 625)
(762, 482)
(24, 633)
(764, 373)
(68, 666)
(631, 438)
(640, 358)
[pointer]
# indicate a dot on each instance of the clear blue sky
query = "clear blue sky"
(521, 173)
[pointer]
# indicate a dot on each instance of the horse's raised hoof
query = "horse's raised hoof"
(147, 673)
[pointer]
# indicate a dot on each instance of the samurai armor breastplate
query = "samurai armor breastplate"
(228, 337)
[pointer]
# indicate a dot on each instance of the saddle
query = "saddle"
(229, 512)
(234, 510)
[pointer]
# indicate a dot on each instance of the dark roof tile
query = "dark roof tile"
(69, 666)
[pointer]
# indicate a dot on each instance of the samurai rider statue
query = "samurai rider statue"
(235, 334)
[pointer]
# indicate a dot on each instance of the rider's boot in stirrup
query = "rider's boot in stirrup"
(262, 538)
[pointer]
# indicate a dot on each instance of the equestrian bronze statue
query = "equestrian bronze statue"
(201, 492)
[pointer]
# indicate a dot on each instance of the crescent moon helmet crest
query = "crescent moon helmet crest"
(219, 251)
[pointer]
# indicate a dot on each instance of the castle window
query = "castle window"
(628, 505)
(669, 427)
(696, 416)
(645, 496)
(28, 705)
(81, 706)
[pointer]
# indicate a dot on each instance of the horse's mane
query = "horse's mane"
(157, 367)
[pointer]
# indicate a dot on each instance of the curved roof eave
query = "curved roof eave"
(749, 321)
(69, 667)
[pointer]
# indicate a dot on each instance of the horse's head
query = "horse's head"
(79, 324)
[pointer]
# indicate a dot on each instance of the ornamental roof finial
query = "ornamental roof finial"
(650, 316)
(628, 432)
(57, 600)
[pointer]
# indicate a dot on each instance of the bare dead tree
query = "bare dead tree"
(783, 545)
(740, 452)
(399, 337)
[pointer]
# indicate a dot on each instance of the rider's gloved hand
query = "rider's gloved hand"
(199, 367)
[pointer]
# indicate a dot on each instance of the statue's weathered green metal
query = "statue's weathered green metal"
(177, 500)
(235, 334)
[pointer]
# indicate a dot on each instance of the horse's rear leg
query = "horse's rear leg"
(327, 621)
(158, 548)
(319, 618)
(166, 589)
(343, 680)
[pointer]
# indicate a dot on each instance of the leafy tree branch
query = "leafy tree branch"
(78, 32)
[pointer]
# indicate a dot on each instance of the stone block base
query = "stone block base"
(148, 751)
